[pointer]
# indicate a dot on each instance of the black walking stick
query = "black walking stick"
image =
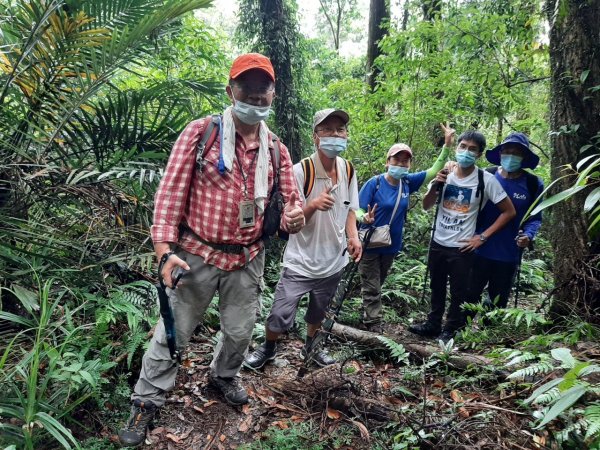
(166, 311)
(521, 251)
(438, 201)
(333, 310)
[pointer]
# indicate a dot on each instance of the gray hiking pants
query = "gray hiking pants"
(238, 304)
(373, 269)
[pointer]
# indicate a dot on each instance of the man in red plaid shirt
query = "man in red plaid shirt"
(208, 224)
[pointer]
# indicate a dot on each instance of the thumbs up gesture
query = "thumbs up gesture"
(294, 217)
(325, 200)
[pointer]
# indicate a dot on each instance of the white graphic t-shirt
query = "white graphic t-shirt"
(458, 210)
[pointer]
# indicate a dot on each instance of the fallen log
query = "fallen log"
(458, 360)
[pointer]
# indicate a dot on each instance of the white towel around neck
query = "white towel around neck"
(261, 177)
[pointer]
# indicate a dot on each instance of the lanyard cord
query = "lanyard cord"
(245, 175)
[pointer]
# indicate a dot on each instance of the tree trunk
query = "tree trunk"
(379, 15)
(575, 63)
(280, 37)
(458, 360)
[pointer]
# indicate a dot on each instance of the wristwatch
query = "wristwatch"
(483, 237)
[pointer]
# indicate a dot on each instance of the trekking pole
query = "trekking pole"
(521, 251)
(438, 201)
(166, 311)
(333, 310)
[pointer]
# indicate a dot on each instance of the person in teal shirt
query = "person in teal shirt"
(378, 196)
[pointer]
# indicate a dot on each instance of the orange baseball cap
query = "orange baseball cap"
(250, 61)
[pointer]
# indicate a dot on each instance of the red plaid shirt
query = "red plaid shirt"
(209, 202)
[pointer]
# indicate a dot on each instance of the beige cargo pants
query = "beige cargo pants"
(238, 304)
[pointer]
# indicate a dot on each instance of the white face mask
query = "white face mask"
(250, 114)
(332, 146)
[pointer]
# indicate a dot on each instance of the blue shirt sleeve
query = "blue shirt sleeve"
(366, 194)
(533, 224)
(415, 181)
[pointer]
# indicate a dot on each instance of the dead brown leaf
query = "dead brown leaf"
(364, 432)
(208, 403)
(222, 438)
(157, 430)
(245, 425)
(385, 383)
(198, 409)
(246, 409)
(456, 396)
(282, 424)
(173, 438)
(333, 414)
(462, 412)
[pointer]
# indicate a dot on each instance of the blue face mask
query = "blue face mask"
(397, 172)
(465, 158)
(250, 114)
(332, 146)
(511, 163)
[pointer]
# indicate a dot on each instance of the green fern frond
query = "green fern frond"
(592, 416)
(396, 350)
(136, 340)
(547, 397)
(541, 367)
(518, 357)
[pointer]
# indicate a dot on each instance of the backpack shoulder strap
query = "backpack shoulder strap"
(532, 184)
(492, 169)
(349, 171)
(480, 185)
(275, 159)
(209, 135)
(479, 193)
(308, 167)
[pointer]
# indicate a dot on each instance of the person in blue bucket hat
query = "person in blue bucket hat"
(497, 262)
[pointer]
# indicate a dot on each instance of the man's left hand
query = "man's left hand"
(294, 217)
(471, 244)
(355, 248)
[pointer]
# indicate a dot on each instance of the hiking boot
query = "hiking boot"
(376, 327)
(134, 431)
(231, 388)
(260, 357)
(446, 335)
(320, 357)
(426, 329)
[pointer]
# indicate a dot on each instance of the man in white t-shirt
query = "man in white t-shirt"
(314, 258)
(465, 191)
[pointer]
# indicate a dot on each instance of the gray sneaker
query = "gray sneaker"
(134, 431)
(231, 388)
(259, 357)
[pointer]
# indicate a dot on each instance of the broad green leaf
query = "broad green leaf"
(57, 430)
(592, 199)
(564, 356)
(564, 195)
(28, 298)
(565, 401)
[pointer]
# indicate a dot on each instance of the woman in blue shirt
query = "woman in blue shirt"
(379, 196)
(497, 261)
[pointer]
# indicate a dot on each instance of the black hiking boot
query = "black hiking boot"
(133, 433)
(260, 357)
(446, 335)
(375, 327)
(231, 388)
(426, 329)
(320, 357)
